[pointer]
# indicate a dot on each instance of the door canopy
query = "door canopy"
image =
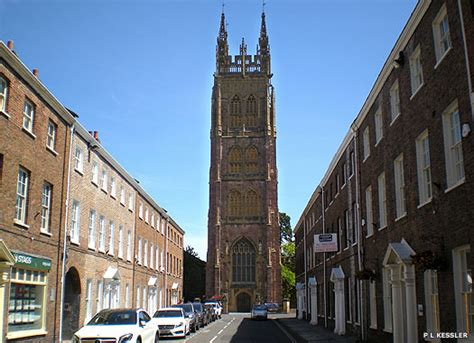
(398, 253)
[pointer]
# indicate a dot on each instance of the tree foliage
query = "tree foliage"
(190, 250)
(286, 232)
(288, 259)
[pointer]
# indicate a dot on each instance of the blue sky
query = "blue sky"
(140, 73)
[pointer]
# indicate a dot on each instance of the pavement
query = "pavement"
(302, 331)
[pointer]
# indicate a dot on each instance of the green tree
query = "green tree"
(288, 260)
(190, 250)
(286, 233)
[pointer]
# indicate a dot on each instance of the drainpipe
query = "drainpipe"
(63, 268)
(354, 129)
(466, 57)
(324, 260)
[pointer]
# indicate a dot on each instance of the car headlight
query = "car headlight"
(75, 339)
(179, 324)
(125, 338)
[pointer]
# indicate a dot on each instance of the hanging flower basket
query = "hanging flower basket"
(427, 259)
(365, 274)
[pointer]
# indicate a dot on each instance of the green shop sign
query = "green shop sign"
(32, 262)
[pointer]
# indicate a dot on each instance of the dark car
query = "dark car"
(191, 314)
(210, 311)
(272, 307)
(200, 314)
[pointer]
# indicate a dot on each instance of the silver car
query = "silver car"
(259, 312)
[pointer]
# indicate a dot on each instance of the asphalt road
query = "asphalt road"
(236, 328)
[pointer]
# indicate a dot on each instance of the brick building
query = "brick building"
(243, 259)
(56, 177)
(396, 194)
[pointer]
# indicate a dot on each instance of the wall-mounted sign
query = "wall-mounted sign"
(326, 242)
(32, 262)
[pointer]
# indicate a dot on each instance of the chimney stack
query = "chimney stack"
(96, 136)
(10, 45)
(36, 72)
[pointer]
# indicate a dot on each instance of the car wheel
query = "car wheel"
(194, 328)
(157, 337)
(139, 340)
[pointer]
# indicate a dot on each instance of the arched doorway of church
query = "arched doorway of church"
(243, 302)
(72, 301)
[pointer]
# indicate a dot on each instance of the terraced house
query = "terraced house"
(77, 232)
(397, 195)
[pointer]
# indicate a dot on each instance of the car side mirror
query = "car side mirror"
(142, 322)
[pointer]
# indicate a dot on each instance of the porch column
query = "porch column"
(339, 306)
(397, 301)
(300, 304)
(314, 305)
(411, 308)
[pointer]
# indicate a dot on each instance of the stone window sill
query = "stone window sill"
(20, 223)
(5, 114)
(31, 134)
(51, 150)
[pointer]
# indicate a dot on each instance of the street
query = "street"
(238, 327)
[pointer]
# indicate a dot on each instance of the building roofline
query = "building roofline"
(406, 34)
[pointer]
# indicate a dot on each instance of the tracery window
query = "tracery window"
(243, 262)
(235, 160)
(235, 203)
(251, 113)
(251, 204)
(235, 112)
(251, 160)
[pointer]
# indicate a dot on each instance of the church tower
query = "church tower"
(243, 258)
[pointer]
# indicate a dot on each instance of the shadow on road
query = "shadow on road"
(258, 331)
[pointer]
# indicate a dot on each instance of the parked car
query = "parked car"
(119, 325)
(172, 321)
(210, 311)
(259, 312)
(217, 307)
(201, 314)
(191, 314)
(272, 307)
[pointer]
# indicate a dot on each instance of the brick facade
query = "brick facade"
(439, 229)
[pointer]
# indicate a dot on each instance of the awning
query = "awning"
(398, 253)
(111, 274)
(152, 281)
(6, 257)
(175, 285)
(337, 274)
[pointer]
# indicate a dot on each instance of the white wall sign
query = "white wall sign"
(326, 242)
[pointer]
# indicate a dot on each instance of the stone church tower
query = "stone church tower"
(243, 258)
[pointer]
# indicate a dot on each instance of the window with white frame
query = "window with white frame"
(441, 36)
(387, 300)
(140, 211)
(344, 173)
(399, 186)
(373, 304)
(158, 222)
(113, 187)
(51, 135)
(75, 221)
(152, 220)
(431, 301)
(378, 125)
(157, 257)
(145, 253)
(28, 115)
(104, 180)
(111, 237)
(130, 202)
(139, 303)
(129, 245)
(122, 195)
(369, 220)
(88, 300)
(152, 257)
(3, 95)
(162, 256)
(423, 167)
(144, 297)
(120, 242)
(78, 159)
(91, 234)
(416, 71)
(452, 145)
(127, 295)
(46, 207)
(366, 143)
(100, 292)
(394, 101)
(463, 289)
(382, 201)
(95, 172)
(346, 229)
(146, 214)
(139, 250)
(102, 234)
(355, 235)
(351, 163)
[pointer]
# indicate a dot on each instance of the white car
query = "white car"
(216, 306)
(172, 322)
(120, 326)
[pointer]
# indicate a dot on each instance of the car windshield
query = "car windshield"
(167, 314)
(114, 317)
(186, 307)
(259, 307)
(198, 307)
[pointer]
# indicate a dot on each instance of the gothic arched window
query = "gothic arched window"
(235, 112)
(235, 160)
(252, 209)
(243, 262)
(235, 203)
(251, 160)
(251, 113)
